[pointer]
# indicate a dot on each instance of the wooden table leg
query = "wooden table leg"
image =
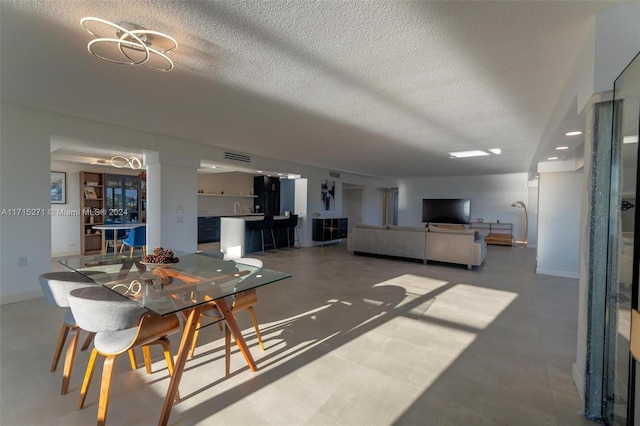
(223, 306)
(190, 325)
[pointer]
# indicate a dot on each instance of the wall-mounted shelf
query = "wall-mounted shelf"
(227, 195)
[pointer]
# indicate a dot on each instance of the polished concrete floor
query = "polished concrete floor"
(349, 340)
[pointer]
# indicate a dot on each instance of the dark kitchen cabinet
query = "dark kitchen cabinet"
(208, 229)
(267, 191)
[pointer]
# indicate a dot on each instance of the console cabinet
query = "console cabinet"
(500, 233)
(329, 229)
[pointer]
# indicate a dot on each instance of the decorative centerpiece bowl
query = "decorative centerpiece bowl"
(161, 258)
(152, 265)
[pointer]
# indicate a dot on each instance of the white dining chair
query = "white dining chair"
(56, 287)
(119, 325)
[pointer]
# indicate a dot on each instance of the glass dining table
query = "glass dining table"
(188, 286)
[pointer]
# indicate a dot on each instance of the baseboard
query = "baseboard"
(578, 380)
(65, 254)
(564, 274)
(21, 297)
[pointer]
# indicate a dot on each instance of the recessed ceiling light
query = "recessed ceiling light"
(630, 139)
(466, 154)
(259, 171)
(574, 133)
(496, 151)
(552, 158)
(560, 148)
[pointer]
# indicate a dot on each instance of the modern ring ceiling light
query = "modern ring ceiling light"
(129, 44)
(121, 162)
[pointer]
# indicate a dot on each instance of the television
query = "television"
(446, 210)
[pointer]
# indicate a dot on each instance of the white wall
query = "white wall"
(560, 198)
(491, 197)
(171, 190)
(65, 230)
(233, 183)
(172, 202)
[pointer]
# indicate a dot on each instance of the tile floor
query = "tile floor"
(349, 340)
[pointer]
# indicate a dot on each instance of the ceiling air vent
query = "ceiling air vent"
(334, 174)
(237, 157)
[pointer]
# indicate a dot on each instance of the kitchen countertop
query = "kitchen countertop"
(254, 217)
(231, 215)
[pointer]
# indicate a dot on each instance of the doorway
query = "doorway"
(352, 203)
(390, 206)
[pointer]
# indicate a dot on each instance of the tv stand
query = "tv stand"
(500, 233)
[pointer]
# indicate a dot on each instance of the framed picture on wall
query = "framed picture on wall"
(58, 188)
(328, 192)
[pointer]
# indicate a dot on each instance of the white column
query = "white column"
(172, 202)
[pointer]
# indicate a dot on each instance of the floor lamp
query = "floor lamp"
(521, 205)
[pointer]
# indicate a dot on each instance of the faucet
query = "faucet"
(236, 207)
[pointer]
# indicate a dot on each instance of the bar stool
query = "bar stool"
(56, 287)
(120, 325)
(293, 224)
(267, 224)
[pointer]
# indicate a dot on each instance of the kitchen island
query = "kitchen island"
(209, 226)
(240, 236)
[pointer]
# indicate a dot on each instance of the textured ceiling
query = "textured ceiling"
(375, 88)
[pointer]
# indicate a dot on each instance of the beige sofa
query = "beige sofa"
(397, 241)
(464, 246)
(460, 246)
